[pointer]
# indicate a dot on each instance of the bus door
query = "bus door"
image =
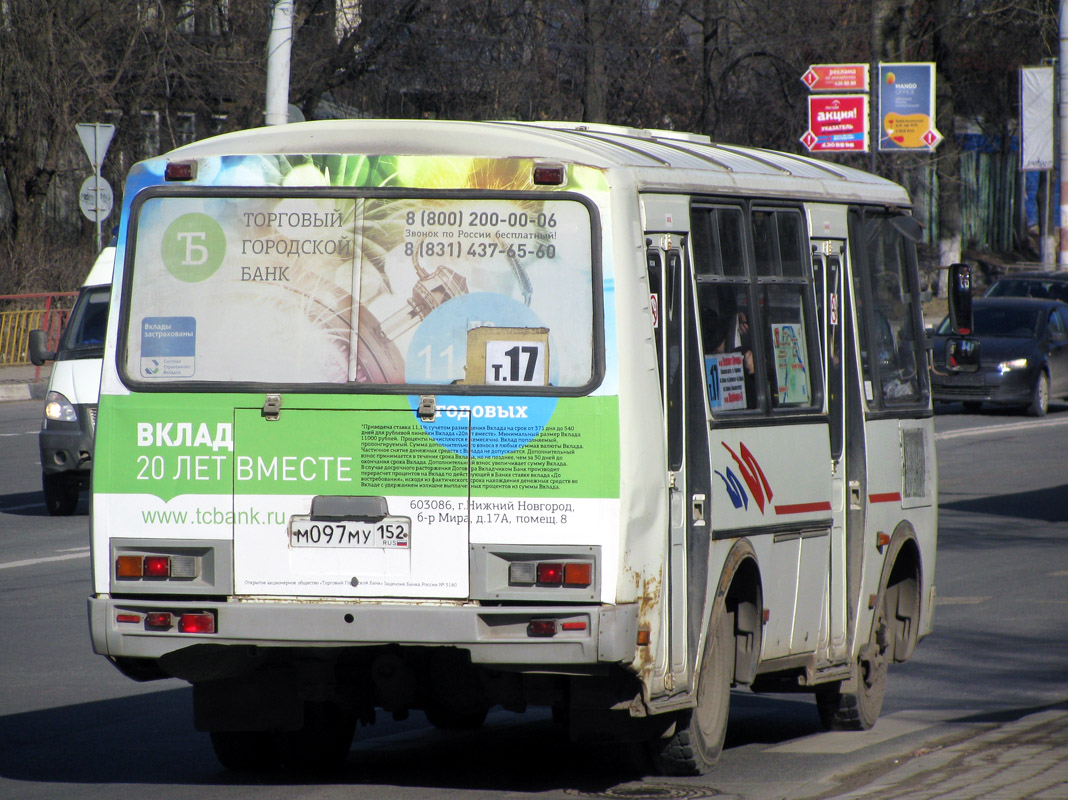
(686, 431)
(828, 256)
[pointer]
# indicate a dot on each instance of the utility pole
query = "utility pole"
(279, 45)
(1062, 108)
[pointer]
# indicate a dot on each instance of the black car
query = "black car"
(1023, 355)
(1052, 285)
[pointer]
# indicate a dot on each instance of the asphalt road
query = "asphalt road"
(72, 726)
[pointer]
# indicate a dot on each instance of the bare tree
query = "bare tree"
(729, 68)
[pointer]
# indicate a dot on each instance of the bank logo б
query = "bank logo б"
(193, 247)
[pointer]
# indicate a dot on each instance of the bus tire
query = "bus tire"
(697, 741)
(245, 751)
(855, 704)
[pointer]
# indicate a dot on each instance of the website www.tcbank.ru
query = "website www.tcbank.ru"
(213, 516)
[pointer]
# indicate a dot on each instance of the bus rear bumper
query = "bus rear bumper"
(579, 635)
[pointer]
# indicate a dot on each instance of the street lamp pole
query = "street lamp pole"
(1062, 108)
(279, 44)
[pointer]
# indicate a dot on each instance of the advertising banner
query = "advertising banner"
(836, 78)
(1036, 118)
(906, 107)
(837, 123)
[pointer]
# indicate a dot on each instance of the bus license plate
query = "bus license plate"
(389, 532)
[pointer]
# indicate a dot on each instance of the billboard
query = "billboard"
(906, 107)
(837, 123)
(1036, 118)
(836, 78)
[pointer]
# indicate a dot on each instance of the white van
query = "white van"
(66, 438)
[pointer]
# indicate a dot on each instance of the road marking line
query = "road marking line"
(29, 562)
(73, 550)
(960, 601)
(1009, 426)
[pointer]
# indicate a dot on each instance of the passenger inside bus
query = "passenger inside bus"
(725, 331)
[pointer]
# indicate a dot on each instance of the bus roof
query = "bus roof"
(658, 160)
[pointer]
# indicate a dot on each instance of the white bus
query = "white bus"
(444, 416)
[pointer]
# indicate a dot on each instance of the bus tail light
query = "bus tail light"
(181, 171)
(549, 174)
(541, 628)
(129, 567)
(550, 574)
(572, 574)
(578, 573)
(156, 567)
(159, 620)
(196, 623)
(185, 622)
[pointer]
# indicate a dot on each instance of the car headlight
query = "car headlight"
(58, 407)
(1008, 366)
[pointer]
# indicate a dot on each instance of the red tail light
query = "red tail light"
(157, 566)
(549, 174)
(196, 623)
(159, 620)
(550, 574)
(181, 171)
(541, 627)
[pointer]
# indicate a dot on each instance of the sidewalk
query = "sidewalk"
(17, 383)
(1026, 759)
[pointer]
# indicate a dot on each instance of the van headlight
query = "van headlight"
(58, 407)
(1009, 366)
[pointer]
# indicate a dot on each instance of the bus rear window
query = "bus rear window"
(332, 289)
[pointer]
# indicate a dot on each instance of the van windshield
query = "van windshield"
(323, 287)
(83, 337)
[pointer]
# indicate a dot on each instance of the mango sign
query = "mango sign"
(911, 131)
(906, 107)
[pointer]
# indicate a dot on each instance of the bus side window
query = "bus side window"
(891, 346)
(791, 339)
(790, 345)
(720, 265)
(727, 343)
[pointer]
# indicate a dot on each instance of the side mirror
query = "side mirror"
(960, 299)
(39, 352)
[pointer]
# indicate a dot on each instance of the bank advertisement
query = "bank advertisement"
(354, 308)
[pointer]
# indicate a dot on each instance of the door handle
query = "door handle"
(698, 509)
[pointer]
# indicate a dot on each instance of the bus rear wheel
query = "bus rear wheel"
(697, 741)
(855, 704)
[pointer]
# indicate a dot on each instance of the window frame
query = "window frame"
(597, 336)
(864, 307)
(756, 290)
